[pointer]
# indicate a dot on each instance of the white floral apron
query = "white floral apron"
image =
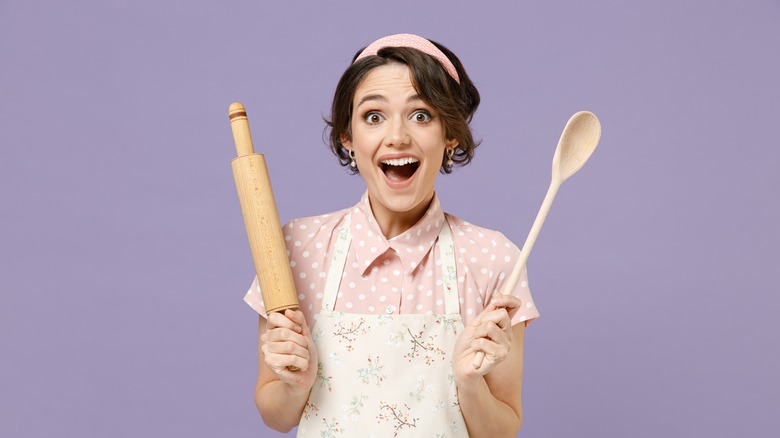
(385, 375)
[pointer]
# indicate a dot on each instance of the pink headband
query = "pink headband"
(415, 42)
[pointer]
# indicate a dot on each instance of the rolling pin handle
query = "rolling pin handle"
(240, 126)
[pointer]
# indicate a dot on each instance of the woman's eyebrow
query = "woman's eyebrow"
(382, 98)
(371, 97)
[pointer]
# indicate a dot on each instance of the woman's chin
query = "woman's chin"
(400, 202)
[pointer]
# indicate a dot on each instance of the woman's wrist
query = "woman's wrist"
(469, 383)
(297, 390)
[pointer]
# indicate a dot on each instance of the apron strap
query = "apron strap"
(337, 264)
(449, 275)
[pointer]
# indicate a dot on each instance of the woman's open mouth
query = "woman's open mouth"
(399, 170)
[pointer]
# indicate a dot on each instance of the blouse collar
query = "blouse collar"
(412, 246)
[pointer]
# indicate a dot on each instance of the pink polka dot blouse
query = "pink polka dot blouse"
(400, 275)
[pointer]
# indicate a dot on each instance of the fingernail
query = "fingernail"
(298, 328)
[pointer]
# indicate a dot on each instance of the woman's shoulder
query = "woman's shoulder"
(304, 229)
(482, 249)
(466, 231)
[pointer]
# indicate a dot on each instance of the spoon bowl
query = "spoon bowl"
(578, 141)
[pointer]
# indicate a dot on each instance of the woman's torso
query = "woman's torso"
(401, 273)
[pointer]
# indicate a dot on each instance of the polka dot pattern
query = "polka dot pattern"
(390, 275)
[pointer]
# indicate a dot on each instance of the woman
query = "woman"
(396, 295)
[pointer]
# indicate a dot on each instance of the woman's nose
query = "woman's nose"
(398, 134)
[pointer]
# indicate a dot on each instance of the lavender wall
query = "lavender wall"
(123, 257)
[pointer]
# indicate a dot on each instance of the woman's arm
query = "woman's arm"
(492, 405)
(281, 394)
(489, 397)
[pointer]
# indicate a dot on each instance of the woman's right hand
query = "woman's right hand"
(287, 343)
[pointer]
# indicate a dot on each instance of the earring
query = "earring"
(450, 153)
(352, 163)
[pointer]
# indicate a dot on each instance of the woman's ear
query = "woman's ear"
(345, 141)
(451, 143)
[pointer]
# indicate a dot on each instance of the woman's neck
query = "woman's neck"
(392, 223)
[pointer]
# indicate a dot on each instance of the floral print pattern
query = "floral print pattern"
(348, 334)
(358, 386)
(372, 372)
(325, 381)
(421, 389)
(424, 345)
(352, 410)
(310, 409)
(400, 417)
(448, 324)
(331, 428)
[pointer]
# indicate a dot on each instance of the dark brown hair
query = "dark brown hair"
(455, 102)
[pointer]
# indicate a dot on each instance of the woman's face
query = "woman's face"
(398, 142)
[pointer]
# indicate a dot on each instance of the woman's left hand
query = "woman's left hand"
(491, 333)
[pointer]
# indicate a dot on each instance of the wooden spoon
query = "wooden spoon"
(578, 141)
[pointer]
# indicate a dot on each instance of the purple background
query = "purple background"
(123, 258)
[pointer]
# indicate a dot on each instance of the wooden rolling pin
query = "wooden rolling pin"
(261, 218)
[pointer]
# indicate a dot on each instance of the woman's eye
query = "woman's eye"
(421, 116)
(373, 118)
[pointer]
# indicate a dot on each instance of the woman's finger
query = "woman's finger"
(283, 335)
(509, 302)
(499, 317)
(295, 316)
(284, 320)
(494, 333)
(279, 362)
(289, 348)
(493, 351)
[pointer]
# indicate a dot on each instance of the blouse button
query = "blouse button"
(390, 309)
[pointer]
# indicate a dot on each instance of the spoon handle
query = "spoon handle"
(511, 282)
(532, 235)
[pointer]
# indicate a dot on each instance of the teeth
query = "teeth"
(400, 161)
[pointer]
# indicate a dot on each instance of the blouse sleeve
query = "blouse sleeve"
(254, 296)
(506, 257)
